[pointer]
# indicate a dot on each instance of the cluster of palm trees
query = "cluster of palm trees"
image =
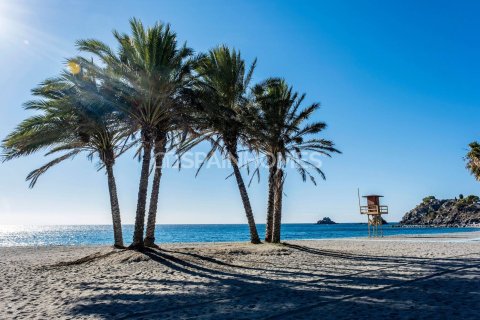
(154, 95)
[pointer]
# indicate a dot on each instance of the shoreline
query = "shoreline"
(435, 226)
(473, 235)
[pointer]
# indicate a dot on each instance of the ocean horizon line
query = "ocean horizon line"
(179, 224)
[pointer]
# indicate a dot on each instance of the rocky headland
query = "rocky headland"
(432, 212)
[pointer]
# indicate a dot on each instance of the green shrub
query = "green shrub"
(428, 199)
(471, 199)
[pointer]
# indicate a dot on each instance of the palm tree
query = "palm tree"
(156, 70)
(75, 116)
(473, 159)
(221, 100)
(281, 133)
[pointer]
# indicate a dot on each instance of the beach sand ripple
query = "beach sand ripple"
(396, 277)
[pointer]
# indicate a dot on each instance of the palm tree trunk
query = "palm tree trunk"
(159, 152)
(277, 214)
(271, 202)
(115, 208)
(254, 238)
(142, 194)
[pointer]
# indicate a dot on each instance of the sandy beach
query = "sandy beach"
(408, 277)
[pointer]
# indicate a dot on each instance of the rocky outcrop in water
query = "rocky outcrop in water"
(326, 220)
(450, 212)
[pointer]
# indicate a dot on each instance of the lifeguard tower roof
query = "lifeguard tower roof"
(372, 195)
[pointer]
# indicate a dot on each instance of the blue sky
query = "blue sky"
(398, 83)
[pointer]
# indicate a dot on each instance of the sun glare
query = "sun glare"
(73, 67)
(22, 29)
(14, 20)
(5, 17)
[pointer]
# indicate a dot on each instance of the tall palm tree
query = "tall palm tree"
(222, 100)
(156, 70)
(473, 159)
(74, 116)
(282, 134)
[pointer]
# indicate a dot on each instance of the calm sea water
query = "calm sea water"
(102, 234)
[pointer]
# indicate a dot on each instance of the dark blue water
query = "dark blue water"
(102, 234)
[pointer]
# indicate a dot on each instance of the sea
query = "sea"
(77, 235)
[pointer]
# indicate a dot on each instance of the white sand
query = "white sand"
(410, 277)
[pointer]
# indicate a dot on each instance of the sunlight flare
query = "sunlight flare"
(73, 67)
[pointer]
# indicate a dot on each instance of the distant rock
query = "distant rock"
(326, 220)
(450, 212)
(384, 221)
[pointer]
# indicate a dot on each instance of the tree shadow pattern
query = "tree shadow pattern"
(328, 284)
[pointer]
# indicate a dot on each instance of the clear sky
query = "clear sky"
(398, 81)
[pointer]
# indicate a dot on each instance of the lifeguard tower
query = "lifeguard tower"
(374, 211)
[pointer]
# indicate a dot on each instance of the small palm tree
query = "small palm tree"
(281, 133)
(75, 116)
(221, 100)
(156, 70)
(473, 159)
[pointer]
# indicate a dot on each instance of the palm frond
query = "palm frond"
(473, 160)
(35, 174)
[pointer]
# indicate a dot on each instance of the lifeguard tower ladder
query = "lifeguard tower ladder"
(374, 211)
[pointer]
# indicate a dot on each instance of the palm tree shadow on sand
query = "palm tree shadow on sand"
(222, 289)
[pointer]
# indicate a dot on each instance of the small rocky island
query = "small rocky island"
(461, 212)
(326, 220)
